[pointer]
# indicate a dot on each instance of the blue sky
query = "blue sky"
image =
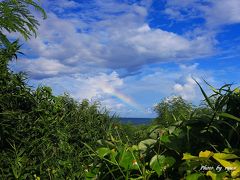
(131, 54)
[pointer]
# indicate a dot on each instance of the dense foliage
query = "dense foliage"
(171, 110)
(17, 17)
(43, 136)
(202, 145)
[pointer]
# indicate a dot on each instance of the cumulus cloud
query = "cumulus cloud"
(98, 85)
(183, 10)
(83, 48)
(108, 89)
(215, 13)
(40, 68)
(187, 90)
(222, 12)
(166, 45)
(114, 36)
(163, 83)
(124, 95)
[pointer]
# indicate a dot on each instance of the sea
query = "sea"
(137, 121)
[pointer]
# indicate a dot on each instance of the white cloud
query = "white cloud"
(79, 52)
(98, 86)
(182, 3)
(42, 67)
(166, 45)
(215, 13)
(119, 39)
(108, 89)
(147, 88)
(101, 87)
(161, 83)
(222, 12)
(188, 90)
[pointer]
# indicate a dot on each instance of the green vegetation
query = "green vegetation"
(43, 136)
(171, 110)
(169, 151)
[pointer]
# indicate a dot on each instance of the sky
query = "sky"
(130, 54)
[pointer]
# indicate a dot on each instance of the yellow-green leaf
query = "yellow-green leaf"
(212, 175)
(225, 156)
(188, 156)
(224, 163)
(218, 175)
(206, 154)
(236, 171)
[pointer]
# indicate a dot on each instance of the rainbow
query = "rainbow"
(126, 99)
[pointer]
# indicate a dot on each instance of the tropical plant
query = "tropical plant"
(41, 135)
(172, 109)
(224, 165)
(117, 160)
(15, 96)
(211, 127)
(16, 16)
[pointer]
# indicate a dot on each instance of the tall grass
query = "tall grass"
(42, 135)
(182, 147)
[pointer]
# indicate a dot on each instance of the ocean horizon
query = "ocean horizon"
(137, 121)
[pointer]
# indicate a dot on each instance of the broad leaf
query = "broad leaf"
(127, 161)
(206, 154)
(225, 156)
(188, 156)
(103, 152)
(236, 172)
(164, 139)
(143, 145)
(217, 176)
(224, 163)
(159, 163)
(194, 176)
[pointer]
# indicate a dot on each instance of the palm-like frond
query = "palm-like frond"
(15, 16)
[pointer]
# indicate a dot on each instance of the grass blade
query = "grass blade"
(205, 95)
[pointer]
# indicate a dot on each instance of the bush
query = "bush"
(161, 154)
(172, 109)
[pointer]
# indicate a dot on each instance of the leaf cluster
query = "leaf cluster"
(16, 16)
(161, 154)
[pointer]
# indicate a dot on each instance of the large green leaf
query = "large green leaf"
(164, 139)
(195, 176)
(171, 129)
(89, 175)
(127, 160)
(159, 163)
(143, 145)
(103, 151)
